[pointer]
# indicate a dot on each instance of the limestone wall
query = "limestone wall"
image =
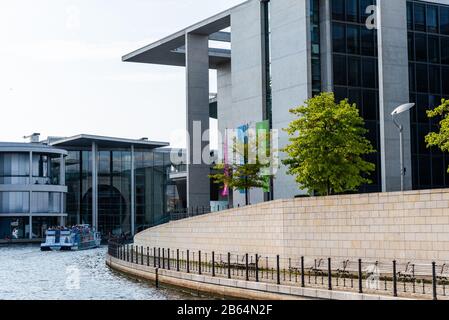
(409, 226)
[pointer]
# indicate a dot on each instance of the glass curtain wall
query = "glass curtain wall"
(355, 70)
(428, 50)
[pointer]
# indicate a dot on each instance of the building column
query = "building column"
(393, 91)
(327, 78)
(197, 87)
(94, 186)
(133, 193)
(30, 221)
(62, 183)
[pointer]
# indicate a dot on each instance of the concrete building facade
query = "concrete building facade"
(378, 54)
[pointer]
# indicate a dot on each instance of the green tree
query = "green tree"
(327, 145)
(245, 176)
(440, 139)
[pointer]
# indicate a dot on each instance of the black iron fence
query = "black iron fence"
(421, 281)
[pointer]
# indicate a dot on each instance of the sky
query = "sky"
(61, 72)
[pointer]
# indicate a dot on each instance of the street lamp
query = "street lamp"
(401, 109)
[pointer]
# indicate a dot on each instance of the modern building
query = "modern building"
(275, 54)
(119, 186)
(32, 189)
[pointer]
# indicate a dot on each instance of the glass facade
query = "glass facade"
(355, 70)
(14, 168)
(152, 195)
(428, 51)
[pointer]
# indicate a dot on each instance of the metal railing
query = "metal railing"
(420, 281)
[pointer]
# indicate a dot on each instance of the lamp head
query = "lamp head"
(402, 108)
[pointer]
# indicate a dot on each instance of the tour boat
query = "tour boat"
(81, 237)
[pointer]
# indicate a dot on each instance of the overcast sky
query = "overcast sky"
(61, 72)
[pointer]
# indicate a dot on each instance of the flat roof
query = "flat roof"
(29, 146)
(85, 140)
(169, 50)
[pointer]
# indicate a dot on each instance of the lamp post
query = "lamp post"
(401, 109)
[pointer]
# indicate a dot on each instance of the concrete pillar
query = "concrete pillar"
(31, 227)
(327, 79)
(31, 195)
(133, 193)
(197, 78)
(94, 186)
(393, 91)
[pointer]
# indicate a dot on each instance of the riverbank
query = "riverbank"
(232, 288)
(21, 241)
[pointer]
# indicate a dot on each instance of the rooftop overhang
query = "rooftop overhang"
(171, 50)
(85, 141)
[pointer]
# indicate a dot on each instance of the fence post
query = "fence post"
(157, 277)
(141, 253)
(360, 277)
(154, 257)
(229, 265)
(127, 253)
(188, 261)
(434, 281)
(257, 267)
(163, 258)
(303, 280)
(278, 269)
(168, 258)
(213, 263)
(247, 267)
(199, 262)
(148, 256)
(159, 257)
(132, 254)
(395, 280)
(177, 260)
(329, 270)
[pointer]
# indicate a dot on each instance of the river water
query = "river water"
(28, 273)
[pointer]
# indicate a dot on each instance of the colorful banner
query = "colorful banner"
(263, 146)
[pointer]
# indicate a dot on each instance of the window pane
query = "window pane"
(353, 36)
(341, 93)
(444, 20)
(434, 79)
(421, 47)
(340, 70)
(421, 74)
(368, 42)
(355, 96)
(422, 105)
(445, 80)
(369, 105)
(369, 73)
(352, 10)
(434, 49)
(411, 77)
(432, 19)
(438, 171)
(354, 73)
(420, 17)
(411, 46)
(338, 9)
(339, 37)
(444, 50)
(424, 171)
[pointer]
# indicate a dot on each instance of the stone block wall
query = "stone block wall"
(406, 226)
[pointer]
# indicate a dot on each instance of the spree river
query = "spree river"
(27, 273)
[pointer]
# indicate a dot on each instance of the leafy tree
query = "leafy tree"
(327, 145)
(440, 139)
(245, 176)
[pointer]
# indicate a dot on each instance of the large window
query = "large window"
(14, 168)
(46, 202)
(14, 202)
(355, 69)
(428, 50)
